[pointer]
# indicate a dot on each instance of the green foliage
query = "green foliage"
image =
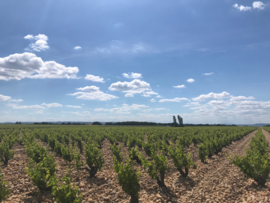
(77, 158)
(203, 152)
(128, 178)
(64, 192)
(57, 148)
(4, 191)
(67, 153)
(148, 148)
(134, 154)
(52, 142)
(80, 145)
(157, 168)
(43, 172)
(255, 164)
(94, 159)
(36, 152)
(117, 151)
(5, 153)
(180, 159)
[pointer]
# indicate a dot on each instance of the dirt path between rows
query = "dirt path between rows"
(220, 180)
(21, 187)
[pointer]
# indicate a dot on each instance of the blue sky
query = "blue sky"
(142, 60)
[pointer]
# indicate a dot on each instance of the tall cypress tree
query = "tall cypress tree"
(174, 121)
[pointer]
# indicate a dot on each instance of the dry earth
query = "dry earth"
(216, 181)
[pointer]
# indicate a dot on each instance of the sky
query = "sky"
(144, 60)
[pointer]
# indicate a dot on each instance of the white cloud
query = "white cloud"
(133, 87)
(118, 47)
(132, 75)
(161, 109)
(52, 105)
(211, 95)
(158, 96)
(239, 98)
(75, 107)
(242, 8)
(129, 95)
(77, 47)
(177, 99)
(91, 88)
(190, 80)
(39, 45)
(28, 65)
(31, 107)
(101, 109)
(124, 109)
(151, 93)
(93, 93)
(180, 86)
(146, 95)
(208, 73)
(192, 104)
(4, 98)
(258, 5)
(94, 78)
(8, 98)
(97, 95)
(153, 100)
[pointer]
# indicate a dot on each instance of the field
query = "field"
(123, 164)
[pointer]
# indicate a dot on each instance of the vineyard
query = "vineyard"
(134, 164)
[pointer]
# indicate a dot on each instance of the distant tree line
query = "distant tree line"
(139, 123)
(18, 122)
(48, 123)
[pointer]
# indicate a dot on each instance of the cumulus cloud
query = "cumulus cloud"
(28, 65)
(207, 74)
(8, 98)
(93, 93)
(190, 80)
(212, 95)
(239, 98)
(146, 95)
(242, 8)
(75, 107)
(91, 88)
(129, 95)
(180, 86)
(153, 100)
(132, 75)
(4, 98)
(77, 47)
(94, 78)
(177, 99)
(258, 5)
(133, 87)
(40, 43)
(98, 95)
(52, 105)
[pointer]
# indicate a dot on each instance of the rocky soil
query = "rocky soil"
(218, 180)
